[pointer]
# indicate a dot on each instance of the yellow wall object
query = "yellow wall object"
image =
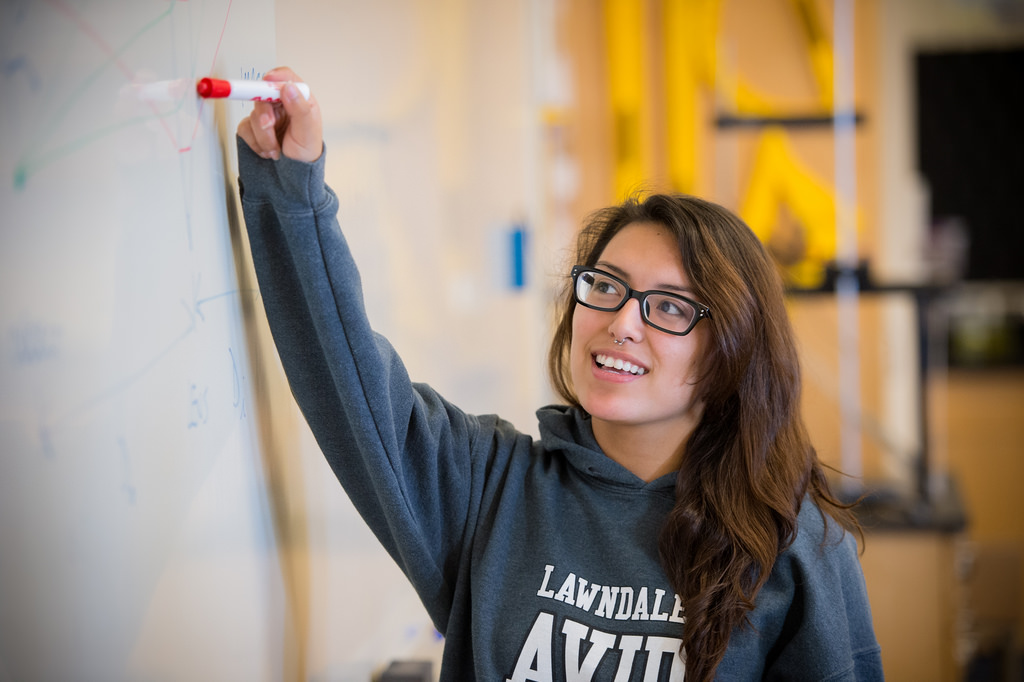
(690, 27)
(746, 100)
(627, 68)
(819, 48)
(779, 180)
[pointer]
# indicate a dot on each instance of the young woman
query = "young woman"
(671, 520)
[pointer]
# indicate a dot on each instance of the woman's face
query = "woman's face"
(661, 397)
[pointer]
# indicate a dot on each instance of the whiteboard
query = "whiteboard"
(136, 534)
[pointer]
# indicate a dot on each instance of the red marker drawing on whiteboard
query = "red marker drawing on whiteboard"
(254, 91)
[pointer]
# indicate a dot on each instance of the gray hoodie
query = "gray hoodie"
(536, 559)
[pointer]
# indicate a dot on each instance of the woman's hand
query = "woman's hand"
(291, 127)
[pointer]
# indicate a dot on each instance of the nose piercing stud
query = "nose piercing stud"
(619, 342)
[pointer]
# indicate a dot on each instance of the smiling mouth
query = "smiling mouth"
(608, 362)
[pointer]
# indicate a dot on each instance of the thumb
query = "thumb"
(303, 139)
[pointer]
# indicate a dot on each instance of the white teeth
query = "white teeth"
(618, 363)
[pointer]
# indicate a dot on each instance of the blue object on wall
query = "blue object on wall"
(517, 244)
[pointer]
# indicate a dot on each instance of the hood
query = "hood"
(566, 432)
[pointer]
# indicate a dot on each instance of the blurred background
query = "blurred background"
(164, 512)
(874, 145)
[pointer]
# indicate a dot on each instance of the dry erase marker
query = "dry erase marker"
(255, 91)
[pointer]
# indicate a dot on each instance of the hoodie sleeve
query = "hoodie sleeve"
(812, 620)
(402, 453)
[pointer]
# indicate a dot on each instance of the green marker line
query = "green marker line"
(29, 167)
(32, 163)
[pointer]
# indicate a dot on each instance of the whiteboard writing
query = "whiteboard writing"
(134, 524)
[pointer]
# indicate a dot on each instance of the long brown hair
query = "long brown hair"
(749, 463)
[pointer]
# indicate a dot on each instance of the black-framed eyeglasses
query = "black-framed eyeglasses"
(665, 311)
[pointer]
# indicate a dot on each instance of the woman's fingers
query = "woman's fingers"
(291, 127)
(303, 137)
(265, 124)
(259, 130)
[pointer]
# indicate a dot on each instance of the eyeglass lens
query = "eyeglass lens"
(672, 313)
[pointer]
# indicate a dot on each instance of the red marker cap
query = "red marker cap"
(213, 87)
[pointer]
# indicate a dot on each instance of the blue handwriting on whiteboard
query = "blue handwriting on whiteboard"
(199, 407)
(239, 395)
(34, 342)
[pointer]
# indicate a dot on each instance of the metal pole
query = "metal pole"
(847, 286)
